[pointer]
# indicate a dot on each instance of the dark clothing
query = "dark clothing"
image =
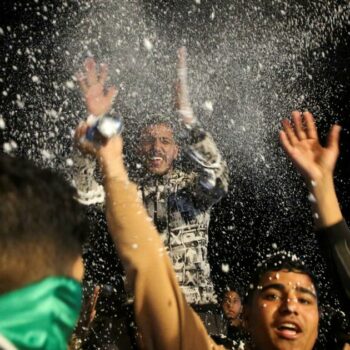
(335, 245)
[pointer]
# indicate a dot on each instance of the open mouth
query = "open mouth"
(288, 330)
(155, 159)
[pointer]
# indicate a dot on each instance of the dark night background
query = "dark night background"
(249, 222)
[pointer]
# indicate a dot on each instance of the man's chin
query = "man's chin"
(157, 171)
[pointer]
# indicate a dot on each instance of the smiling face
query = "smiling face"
(158, 148)
(283, 313)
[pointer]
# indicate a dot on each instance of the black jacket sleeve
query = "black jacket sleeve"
(335, 245)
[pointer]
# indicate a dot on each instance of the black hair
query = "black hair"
(168, 119)
(278, 262)
(42, 225)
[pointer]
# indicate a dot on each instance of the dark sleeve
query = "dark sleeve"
(335, 245)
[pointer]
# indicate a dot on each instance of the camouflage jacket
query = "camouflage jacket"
(179, 204)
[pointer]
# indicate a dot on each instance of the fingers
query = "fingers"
(92, 76)
(80, 131)
(85, 146)
(303, 127)
(103, 73)
(289, 132)
(90, 68)
(285, 142)
(298, 125)
(310, 125)
(112, 93)
(82, 82)
(333, 138)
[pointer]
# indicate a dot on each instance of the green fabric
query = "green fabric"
(41, 315)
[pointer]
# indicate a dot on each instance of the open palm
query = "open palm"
(302, 145)
(98, 99)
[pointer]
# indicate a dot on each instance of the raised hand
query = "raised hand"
(92, 84)
(300, 142)
(182, 101)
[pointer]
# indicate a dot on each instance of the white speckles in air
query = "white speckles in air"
(225, 268)
(208, 106)
(69, 162)
(2, 122)
(10, 146)
(147, 44)
(70, 84)
(7, 147)
(35, 79)
(274, 245)
(311, 198)
(47, 155)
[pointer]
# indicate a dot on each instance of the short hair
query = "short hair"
(168, 119)
(42, 225)
(277, 262)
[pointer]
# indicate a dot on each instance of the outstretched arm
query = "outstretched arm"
(316, 163)
(198, 144)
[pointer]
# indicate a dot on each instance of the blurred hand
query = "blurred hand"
(107, 151)
(98, 100)
(182, 101)
(300, 142)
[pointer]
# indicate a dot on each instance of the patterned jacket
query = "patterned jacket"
(179, 204)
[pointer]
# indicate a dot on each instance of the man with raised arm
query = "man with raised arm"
(178, 202)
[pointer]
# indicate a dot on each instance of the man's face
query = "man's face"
(158, 148)
(283, 314)
(231, 305)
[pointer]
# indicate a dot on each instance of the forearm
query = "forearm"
(326, 209)
(165, 319)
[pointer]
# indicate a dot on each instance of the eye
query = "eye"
(271, 297)
(304, 301)
(165, 141)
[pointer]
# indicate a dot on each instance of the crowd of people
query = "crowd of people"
(149, 236)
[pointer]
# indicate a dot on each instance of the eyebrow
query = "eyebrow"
(281, 288)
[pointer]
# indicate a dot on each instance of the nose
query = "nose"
(156, 145)
(289, 305)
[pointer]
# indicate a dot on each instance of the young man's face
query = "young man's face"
(283, 314)
(231, 305)
(158, 148)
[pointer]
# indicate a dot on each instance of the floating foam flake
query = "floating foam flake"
(35, 79)
(147, 43)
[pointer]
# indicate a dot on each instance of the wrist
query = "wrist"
(113, 168)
